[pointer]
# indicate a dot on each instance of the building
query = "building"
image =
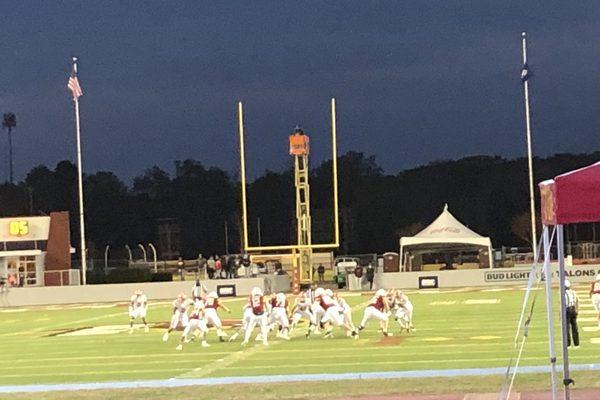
(36, 251)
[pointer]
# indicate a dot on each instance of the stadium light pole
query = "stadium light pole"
(525, 79)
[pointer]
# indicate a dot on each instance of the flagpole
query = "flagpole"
(80, 185)
(529, 155)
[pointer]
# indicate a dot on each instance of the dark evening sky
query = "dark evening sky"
(414, 81)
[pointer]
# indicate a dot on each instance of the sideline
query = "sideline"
(174, 382)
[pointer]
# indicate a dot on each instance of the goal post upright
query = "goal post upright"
(302, 250)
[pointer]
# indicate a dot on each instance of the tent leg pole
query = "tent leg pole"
(563, 309)
(549, 313)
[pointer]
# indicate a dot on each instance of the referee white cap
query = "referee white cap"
(567, 284)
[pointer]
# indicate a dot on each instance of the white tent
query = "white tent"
(445, 233)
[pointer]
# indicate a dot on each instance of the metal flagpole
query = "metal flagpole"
(80, 179)
(525, 79)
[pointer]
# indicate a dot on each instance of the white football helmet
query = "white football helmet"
(214, 295)
(329, 292)
(319, 292)
(380, 292)
(280, 297)
(598, 277)
(256, 291)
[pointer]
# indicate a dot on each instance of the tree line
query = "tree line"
(488, 194)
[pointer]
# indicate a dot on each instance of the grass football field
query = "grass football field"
(454, 330)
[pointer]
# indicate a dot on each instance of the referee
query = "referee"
(572, 302)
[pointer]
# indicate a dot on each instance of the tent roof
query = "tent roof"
(445, 230)
(572, 197)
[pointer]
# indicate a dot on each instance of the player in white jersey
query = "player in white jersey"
(212, 318)
(301, 309)
(138, 307)
(402, 309)
(317, 312)
(279, 315)
(346, 311)
(595, 295)
(196, 321)
(259, 306)
(333, 315)
(378, 308)
(180, 317)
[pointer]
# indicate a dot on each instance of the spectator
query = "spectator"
(254, 269)
(210, 265)
(370, 275)
(181, 268)
(321, 272)
(12, 280)
(231, 267)
(218, 267)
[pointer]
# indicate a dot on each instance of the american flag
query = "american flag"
(73, 85)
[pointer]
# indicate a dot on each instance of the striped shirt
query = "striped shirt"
(571, 299)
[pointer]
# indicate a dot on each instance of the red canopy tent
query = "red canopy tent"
(573, 197)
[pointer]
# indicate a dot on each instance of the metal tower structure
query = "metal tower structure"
(300, 148)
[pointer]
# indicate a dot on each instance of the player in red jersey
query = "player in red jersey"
(279, 315)
(212, 318)
(378, 308)
(197, 321)
(260, 309)
(334, 315)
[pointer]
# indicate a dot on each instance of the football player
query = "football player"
(196, 321)
(279, 315)
(595, 295)
(212, 318)
(378, 308)
(180, 317)
(259, 307)
(138, 307)
(301, 309)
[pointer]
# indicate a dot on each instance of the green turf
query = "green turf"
(444, 339)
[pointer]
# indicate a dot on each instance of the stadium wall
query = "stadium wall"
(462, 278)
(32, 296)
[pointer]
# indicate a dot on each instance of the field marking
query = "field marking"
(595, 340)
(485, 337)
(481, 301)
(102, 361)
(443, 303)
(591, 328)
(587, 319)
(437, 339)
(588, 312)
(167, 383)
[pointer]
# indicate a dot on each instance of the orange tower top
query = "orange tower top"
(299, 143)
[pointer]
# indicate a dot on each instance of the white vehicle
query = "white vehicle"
(344, 264)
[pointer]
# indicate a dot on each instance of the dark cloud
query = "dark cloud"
(415, 81)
